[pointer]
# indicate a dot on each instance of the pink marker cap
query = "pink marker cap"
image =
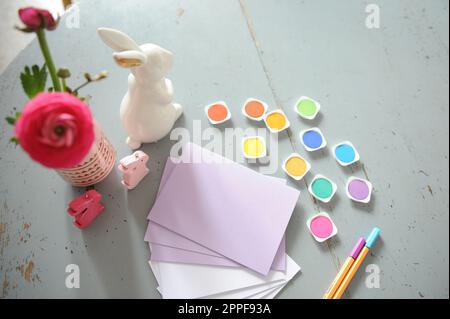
(359, 245)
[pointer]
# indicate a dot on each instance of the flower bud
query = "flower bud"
(35, 19)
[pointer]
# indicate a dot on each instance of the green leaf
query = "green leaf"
(11, 120)
(14, 140)
(34, 80)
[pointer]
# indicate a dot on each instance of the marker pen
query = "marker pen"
(354, 268)
(345, 268)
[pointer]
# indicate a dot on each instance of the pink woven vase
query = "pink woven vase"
(96, 165)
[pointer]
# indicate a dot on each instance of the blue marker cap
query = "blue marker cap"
(372, 237)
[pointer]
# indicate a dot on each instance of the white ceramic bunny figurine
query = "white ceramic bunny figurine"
(147, 111)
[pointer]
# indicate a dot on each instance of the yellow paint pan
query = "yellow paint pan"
(276, 121)
(254, 147)
(296, 166)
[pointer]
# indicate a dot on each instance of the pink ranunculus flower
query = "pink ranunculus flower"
(56, 129)
(35, 18)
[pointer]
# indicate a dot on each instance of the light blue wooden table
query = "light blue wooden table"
(384, 89)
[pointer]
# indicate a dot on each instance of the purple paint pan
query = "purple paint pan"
(359, 190)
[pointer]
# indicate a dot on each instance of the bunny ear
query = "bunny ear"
(129, 59)
(117, 40)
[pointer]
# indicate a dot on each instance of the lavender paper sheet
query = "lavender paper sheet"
(230, 209)
(170, 254)
(171, 247)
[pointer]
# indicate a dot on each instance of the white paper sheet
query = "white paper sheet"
(255, 292)
(265, 294)
(269, 293)
(265, 291)
(274, 293)
(196, 281)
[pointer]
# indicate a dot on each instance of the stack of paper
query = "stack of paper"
(217, 228)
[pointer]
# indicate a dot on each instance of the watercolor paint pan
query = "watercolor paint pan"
(345, 153)
(296, 166)
(359, 190)
(307, 108)
(254, 109)
(312, 139)
(276, 121)
(254, 147)
(322, 188)
(321, 227)
(217, 112)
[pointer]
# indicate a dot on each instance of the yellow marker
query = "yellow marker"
(351, 273)
(254, 147)
(354, 268)
(345, 269)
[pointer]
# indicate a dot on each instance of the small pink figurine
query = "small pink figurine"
(85, 208)
(134, 168)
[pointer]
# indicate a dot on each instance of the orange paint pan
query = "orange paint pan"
(276, 121)
(254, 109)
(217, 112)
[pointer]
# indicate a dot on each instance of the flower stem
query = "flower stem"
(81, 86)
(48, 59)
(64, 85)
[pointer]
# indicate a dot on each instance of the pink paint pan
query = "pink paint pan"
(321, 227)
